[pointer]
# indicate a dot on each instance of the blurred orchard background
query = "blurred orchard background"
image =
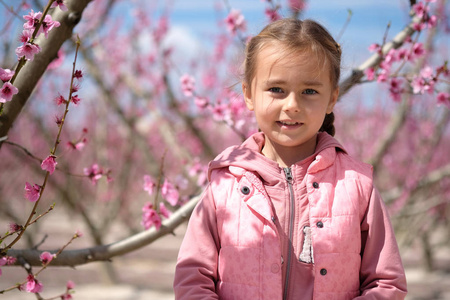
(111, 111)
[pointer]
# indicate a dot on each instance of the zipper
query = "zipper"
(289, 178)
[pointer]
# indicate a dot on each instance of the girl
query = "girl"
(289, 214)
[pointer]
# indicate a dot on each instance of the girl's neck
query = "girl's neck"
(287, 156)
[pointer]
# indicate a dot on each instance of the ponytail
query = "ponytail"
(328, 124)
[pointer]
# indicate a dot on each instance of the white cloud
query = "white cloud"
(184, 43)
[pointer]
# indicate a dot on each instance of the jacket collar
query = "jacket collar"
(248, 157)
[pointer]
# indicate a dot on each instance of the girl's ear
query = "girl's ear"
(333, 100)
(247, 96)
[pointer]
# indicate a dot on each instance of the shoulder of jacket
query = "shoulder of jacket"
(354, 166)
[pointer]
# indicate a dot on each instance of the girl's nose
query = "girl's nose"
(291, 103)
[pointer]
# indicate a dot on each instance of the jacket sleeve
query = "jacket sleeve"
(382, 275)
(196, 269)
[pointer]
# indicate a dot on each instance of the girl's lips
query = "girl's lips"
(289, 124)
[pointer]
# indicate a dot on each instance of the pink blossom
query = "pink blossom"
(7, 92)
(28, 50)
(149, 185)
(47, 25)
(402, 54)
(6, 74)
(219, 111)
(78, 234)
(419, 85)
(444, 99)
(32, 285)
(420, 9)
(60, 100)
(32, 20)
(370, 73)
(14, 227)
(164, 211)
(297, 5)
(49, 164)
(383, 76)
(386, 65)
(198, 169)
(58, 120)
(427, 72)
(6, 260)
(161, 30)
(375, 48)
(70, 285)
(77, 145)
(272, 14)
(396, 88)
(431, 21)
(187, 85)
(170, 193)
(235, 21)
(32, 192)
(94, 173)
(201, 102)
(10, 260)
(150, 217)
(75, 99)
(46, 257)
(419, 26)
(443, 70)
(418, 50)
(66, 296)
(75, 88)
(391, 57)
(78, 74)
(25, 36)
(60, 4)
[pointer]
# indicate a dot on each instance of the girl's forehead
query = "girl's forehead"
(275, 55)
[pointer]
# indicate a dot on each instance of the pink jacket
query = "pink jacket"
(232, 247)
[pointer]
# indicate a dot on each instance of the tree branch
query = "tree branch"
(432, 178)
(376, 59)
(106, 252)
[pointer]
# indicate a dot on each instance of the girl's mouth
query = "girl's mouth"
(289, 124)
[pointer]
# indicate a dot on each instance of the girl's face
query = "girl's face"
(290, 95)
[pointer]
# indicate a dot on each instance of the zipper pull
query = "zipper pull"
(288, 173)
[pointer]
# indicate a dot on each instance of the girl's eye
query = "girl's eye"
(310, 92)
(276, 90)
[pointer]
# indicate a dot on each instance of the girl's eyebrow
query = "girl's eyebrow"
(312, 83)
(281, 81)
(274, 81)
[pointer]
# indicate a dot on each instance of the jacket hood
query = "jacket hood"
(248, 156)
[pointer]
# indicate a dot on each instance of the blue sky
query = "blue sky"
(368, 23)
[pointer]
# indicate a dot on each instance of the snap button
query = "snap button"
(319, 224)
(273, 219)
(323, 272)
(315, 185)
(245, 190)
(275, 268)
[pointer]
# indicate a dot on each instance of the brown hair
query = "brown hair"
(297, 35)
